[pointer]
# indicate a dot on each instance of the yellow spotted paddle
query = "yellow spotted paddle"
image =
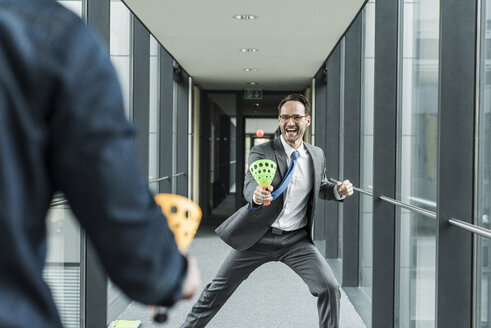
(183, 218)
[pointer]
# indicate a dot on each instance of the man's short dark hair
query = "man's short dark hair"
(295, 97)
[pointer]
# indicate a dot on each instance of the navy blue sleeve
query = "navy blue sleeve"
(95, 166)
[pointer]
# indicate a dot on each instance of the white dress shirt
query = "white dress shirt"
(296, 195)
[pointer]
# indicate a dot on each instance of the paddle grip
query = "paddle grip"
(161, 314)
(266, 204)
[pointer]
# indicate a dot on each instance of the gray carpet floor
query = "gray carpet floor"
(273, 296)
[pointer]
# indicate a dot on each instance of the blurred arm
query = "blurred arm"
(94, 164)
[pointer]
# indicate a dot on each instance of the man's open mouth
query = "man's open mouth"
(291, 132)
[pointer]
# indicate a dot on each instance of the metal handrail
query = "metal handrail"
(167, 177)
(410, 207)
(423, 201)
(471, 227)
(227, 164)
(159, 179)
(395, 202)
(458, 223)
(354, 188)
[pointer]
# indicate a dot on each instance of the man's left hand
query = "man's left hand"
(345, 188)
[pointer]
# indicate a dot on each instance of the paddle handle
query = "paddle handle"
(266, 204)
(161, 314)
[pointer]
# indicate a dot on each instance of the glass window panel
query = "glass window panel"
(483, 311)
(417, 162)
(154, 125)
(123, 70)
(341, 145)
(366, 135)
(120, 45)
(62, 270)
(120, 29)
(175, 99)
(74, 5)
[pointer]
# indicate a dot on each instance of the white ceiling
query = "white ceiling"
(293, 38)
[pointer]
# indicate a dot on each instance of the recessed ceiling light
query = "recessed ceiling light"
(249, 50)
(244, 17)
(250, 69)
(253, 83)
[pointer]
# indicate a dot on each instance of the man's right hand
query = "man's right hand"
(193, 280)
(262, 196)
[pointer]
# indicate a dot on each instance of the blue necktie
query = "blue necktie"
(288, 176)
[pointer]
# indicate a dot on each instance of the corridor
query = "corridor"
(400, 95)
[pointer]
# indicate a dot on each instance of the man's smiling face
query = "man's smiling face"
(293, 122)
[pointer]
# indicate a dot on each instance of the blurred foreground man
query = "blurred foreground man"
(62, 128)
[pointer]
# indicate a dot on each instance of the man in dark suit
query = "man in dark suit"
(281, 231)
(63, 128)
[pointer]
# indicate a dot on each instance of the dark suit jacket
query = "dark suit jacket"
(63, 128)
(244, 228)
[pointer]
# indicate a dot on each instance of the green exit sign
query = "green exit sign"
(253, 94)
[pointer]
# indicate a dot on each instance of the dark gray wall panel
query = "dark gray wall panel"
(166, 117)
(384, 175)
(456, 132)
(95, 289)
(141, 91)
(320, 141)
(98, 18)
(352, 101)
(204, 147)
(241, 160)
(182, 135)
(332, 148)
(95, 284)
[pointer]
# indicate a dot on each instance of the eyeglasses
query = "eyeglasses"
(296, 118)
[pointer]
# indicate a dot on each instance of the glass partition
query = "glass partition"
(483, 310)
(366, 146)
(120, 49)
(417, 162)
(174, 136)
(154, 126)
(74, 5)
(62, 271)
(341, 144)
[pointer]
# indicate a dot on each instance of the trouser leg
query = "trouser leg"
(306, 260)
(235, 269)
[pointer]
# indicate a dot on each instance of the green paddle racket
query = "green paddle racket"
(263, 171)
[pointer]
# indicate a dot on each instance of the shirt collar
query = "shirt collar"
(289, 149)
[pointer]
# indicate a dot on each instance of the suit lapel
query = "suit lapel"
(317, 163)
(281, 160)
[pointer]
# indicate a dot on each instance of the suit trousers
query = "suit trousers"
(296, 250)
